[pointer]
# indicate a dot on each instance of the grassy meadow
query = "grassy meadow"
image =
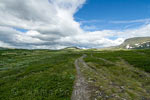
(119, 75)
(50, 74)
(36, 74)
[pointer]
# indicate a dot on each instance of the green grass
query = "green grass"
(137, 58)
(119, 74)
(36, 74)
(50, 74)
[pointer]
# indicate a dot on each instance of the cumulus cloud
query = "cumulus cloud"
(50, 24)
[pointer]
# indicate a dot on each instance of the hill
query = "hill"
(136, 43)
(1, 48)
(71, 48)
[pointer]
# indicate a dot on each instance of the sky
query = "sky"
(109, 14)
(56, 24)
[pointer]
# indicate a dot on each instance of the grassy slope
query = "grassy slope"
(133, 41)
(117, 75)
(36, 75)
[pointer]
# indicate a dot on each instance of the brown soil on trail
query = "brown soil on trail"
(81, 89)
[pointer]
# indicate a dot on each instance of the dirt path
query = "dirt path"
(81, 91)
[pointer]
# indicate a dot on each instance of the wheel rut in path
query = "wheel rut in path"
(81, 90)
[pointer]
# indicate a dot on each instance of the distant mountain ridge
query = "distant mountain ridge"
(131, 43)
(136, 43)
(71, 48)
(1, 48)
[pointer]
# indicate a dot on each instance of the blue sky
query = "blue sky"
(103, 14)
(21, 29)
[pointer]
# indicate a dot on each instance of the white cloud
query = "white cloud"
(131, 21)
(91, 21)
(138, 32)
(2, 44)
(51, 25)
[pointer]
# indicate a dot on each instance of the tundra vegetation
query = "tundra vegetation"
(50, 74)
